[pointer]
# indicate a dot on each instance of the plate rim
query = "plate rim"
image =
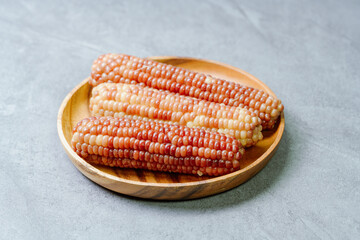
(93, 170)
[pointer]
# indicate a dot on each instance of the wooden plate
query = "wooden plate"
(168, 186)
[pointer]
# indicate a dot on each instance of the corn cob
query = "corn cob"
(129, 69)
(130, 143)
(118, 100)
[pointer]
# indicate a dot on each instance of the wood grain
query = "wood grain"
(168, 186)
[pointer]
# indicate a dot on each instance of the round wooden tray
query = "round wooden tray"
(168, 186)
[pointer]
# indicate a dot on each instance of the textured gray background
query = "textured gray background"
(306, 51)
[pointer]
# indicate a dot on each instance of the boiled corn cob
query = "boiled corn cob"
(130, 143)
(118, 100)
(120, 68)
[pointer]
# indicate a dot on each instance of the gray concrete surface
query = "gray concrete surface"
(306, 51)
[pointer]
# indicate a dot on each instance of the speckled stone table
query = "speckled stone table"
(308, 52)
